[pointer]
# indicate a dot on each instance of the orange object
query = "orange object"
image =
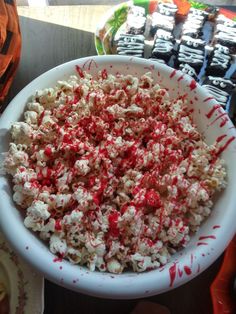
(222, 287)
(10, 45)
(183, 6)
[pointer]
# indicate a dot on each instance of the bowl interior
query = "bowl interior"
(205, 246)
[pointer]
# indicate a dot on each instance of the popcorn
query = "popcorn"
(39, 210)
(114, 266)
(111, 173)
(82, 167)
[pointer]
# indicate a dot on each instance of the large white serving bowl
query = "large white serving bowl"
(205, 246)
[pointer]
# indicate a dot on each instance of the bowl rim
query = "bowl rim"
(123, 286)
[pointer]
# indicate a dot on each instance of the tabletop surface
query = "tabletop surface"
(50, 36)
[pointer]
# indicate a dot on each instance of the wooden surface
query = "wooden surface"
(53, 35)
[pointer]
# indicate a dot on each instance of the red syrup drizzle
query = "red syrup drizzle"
(180, 78)
(172, 272)
(202, 243)
(191, 259)
(207, 237)
(173, 73)
(220, 138)
(224, 121)
(150, 68)
(211, 112)
(208, 98)
(57, 259)
(180, 272)
(220, 116)
(187, 270)
(198, 268)
(40, 119)
(193, 85)
(223, 148)
(79, 71)
(90, 62)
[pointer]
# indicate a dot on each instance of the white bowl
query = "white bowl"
(205, 246)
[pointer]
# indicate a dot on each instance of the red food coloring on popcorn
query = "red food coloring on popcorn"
(48, 151)
(104, 74)
(58, 225)
(153, 198)
(113, 224)
(41, 118)
(79, 71)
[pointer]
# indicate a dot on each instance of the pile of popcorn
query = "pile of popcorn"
(111, 173)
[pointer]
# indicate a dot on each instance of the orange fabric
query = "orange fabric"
(3, 22)
(5, 61)
(10, 45)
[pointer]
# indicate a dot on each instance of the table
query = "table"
(50, 36)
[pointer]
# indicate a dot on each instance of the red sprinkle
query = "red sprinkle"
(216, 226)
